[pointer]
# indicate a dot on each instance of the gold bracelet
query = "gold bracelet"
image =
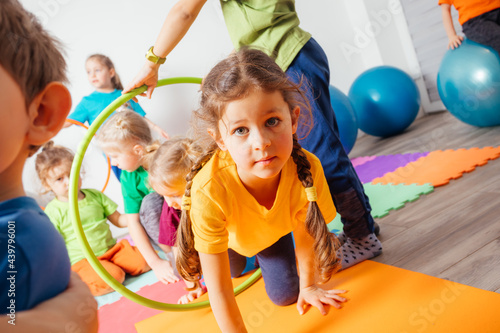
(154, 58)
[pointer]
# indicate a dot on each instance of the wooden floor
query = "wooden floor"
(454, 232)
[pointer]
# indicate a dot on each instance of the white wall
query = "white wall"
(356, 35)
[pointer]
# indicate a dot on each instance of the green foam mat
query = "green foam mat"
(384, 198)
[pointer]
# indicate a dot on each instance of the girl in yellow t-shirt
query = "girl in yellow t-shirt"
(254, 187)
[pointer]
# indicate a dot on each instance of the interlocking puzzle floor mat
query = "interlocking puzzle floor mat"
(425, 169)
(439, 167)
(384, 198)
(361, 160)
(383, 164)
(382, 298)
(121, 315)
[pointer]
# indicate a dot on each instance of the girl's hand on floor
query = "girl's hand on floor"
(164, 272)
(192, 295)
(318, 297)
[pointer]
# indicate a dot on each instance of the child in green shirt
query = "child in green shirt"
(126, 139)
(53, 166)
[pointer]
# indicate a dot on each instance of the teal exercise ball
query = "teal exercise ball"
(468, 83)
(385, 99)
(346, 118)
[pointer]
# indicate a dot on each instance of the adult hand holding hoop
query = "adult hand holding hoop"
(177, 23)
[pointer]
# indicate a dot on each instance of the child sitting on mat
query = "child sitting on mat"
(53, 166)
(253, 187)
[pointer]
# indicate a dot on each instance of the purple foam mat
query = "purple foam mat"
(381, 165)
(361, 160)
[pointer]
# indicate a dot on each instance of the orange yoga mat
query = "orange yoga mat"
(382, 298)
(439, 167)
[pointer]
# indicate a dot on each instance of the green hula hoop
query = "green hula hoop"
(75, 213)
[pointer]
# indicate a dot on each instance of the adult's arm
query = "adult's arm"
(176, 25)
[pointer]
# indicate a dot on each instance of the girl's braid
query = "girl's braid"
(188, 260)
(325, 243)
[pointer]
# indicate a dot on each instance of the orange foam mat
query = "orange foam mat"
(382, 298)
(439, 167)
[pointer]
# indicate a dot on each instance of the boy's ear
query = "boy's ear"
(47, 113)
(217, 140)
(295, 118)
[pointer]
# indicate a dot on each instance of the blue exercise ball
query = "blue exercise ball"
(468, 83)
(385, 99)
(346, 118)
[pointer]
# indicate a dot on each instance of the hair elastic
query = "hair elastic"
(186, 203)
(311, 193)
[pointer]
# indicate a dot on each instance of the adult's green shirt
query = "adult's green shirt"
(271, 26)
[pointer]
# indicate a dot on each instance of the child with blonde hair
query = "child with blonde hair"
(168, 169)
(126, 138)
(253, 187)
(102, 75)
(53, 166)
